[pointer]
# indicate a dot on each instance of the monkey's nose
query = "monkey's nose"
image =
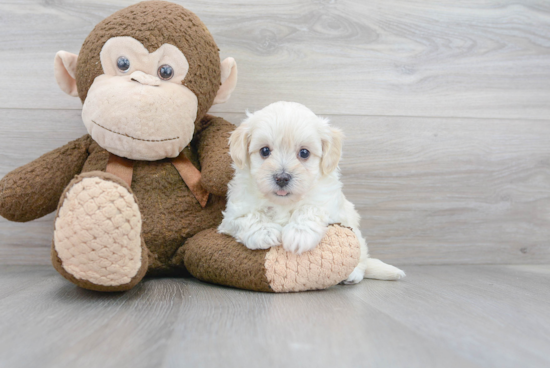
(282, 179)
(146, 79)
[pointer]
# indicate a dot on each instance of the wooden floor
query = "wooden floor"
(439, 316)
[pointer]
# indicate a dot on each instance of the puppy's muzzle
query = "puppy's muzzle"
(282, 180)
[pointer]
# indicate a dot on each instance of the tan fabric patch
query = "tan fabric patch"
(331, 262)
(121, 168)
(98, 233)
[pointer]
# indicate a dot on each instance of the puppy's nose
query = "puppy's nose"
(282, 179)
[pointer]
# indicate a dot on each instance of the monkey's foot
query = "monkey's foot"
(97, 240)
(220, 259)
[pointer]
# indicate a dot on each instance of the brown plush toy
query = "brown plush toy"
(143, 192)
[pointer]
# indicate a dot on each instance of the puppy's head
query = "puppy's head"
(287, 149)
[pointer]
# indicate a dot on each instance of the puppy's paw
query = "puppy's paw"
(355, 277)
(267, 236)
(299, 238)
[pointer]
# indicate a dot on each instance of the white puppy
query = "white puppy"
(287, 190)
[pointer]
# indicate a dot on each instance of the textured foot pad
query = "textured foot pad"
(97, 238)
(332, 261)
(220, 259)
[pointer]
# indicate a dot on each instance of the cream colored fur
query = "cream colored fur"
(261, 215)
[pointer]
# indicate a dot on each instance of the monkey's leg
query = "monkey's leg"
(97, 241)
(220, 259)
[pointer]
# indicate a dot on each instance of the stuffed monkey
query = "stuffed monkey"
(143, 192)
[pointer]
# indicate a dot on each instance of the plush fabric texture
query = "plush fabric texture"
(331, 262)
(121, 168)
(108, 233)
(141, 60)
(228, 79)
(192, 177)
(64, 63)
(154, 23)
(33, 190)
(158, 124)
(214, 155)
(170, 212)
(98, 232)
(220, 259)
(91, 254)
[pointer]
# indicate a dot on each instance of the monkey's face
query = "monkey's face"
(139, 107)
(147, 75)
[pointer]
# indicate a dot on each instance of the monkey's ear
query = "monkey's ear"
(332, 151)
(238, 145)
(229, 80)
(64, 66)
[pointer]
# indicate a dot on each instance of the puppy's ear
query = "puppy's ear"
(238, 145)
(332, 150)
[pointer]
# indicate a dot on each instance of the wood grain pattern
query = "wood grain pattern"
(452, 190)
(439, 316)
(446, 109)
(399, 57)
(480, 311)
(430, 191)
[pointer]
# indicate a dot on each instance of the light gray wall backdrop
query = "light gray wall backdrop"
(445, 104)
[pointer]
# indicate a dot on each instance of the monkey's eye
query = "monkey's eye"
(123, 64)
(304, 153)
(265, 152)
(165, 72)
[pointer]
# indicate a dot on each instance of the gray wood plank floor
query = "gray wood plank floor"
(439, 316)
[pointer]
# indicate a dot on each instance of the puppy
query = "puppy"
(287, 190)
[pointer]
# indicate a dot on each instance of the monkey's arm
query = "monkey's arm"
(212, 145)
(33, 190)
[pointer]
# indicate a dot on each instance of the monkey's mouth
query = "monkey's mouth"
(137, 139)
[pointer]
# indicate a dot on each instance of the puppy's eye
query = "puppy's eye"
(123, 64)
(304, 153)
(265, 152)
(165, 72)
